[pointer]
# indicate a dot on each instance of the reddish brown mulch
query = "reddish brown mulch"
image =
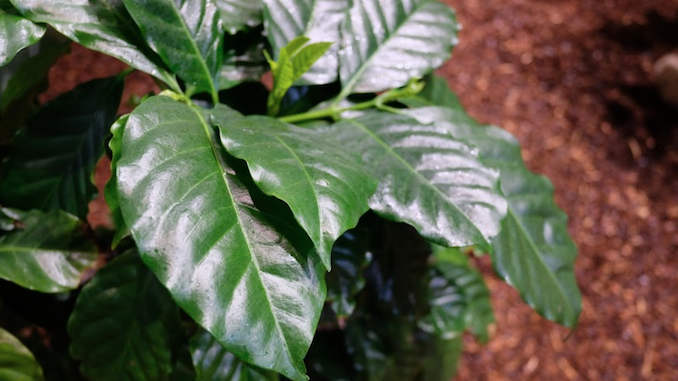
(571, 79)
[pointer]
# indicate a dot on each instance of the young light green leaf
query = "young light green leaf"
(101, 25)
(52, 159)
(232, 258)
(111, 189)
(214, 363)
(237, 15)
(534, 251)
(47, 253)
(187, 35)
(427, 178)
(436, 92)
(316, 19)
(325, 186)
(385, 43)
(293, 61)
(125, 325)
(16, 33)
(16, 361)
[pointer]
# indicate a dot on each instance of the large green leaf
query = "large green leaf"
(427, 178)
(213, 363)
(316, 19)
(534, 251)
(47, 253)
(385, 43)
(16, 361)
(125, 325)
(232, 259)
(187, 35)
(16, 32)
(325, 186)
(52, 159)
(101, 25)
(237, 15)
(111, 189)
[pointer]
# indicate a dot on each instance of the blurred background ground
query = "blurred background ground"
(571, 80)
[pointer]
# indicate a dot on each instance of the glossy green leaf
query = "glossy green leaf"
(534, 251)
(232, 258)
(427, 178)
(459, 297)
(187, 35)
(16, 361)
(325, 186)
(16, 33)
(124, 325)
(46, 252)
(101, 25)
(52, 159)
(30, 74)
(316, 19)
(237, 15)
(213, 363)
(385, 43)
(436, 92)
(350, 256)
(111, 189)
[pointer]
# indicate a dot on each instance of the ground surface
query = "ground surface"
(571, 79)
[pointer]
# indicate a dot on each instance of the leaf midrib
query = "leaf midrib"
(426, 181)
(346, 91)
(217, 155)
(535, 252)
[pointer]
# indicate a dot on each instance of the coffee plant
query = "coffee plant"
(319, 226)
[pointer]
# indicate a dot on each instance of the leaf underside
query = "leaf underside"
(239, 268)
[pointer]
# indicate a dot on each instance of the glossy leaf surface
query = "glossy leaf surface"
(16, 33)
(187, 35)
(16, 361)
(125, 324)
(213, 363)
(325, 186)
(385, 43)
(316, 19)
(427, 178)
(111, 189)
(53, 158)
(241, 268)
(47, 253)
(237, 15)
(534, 251)
(101, 25)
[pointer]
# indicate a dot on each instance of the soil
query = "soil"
(571, 79)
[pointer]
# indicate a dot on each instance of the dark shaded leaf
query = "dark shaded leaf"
(534, 251)
(101, 25)
(52, 159)
(47, 253)
(125, 324)
(16, 361)
(325, 186)
(427, 178)
(187, 35)
(239, 267)
(350, 256)
(386, 43)
(213, 363)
